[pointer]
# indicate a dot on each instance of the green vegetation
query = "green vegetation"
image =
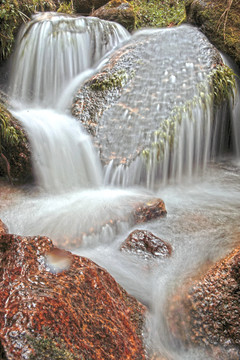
(49, 347)
(158, 13)
(222, 83)
(15, 12)
(110, 81)
(219, 20)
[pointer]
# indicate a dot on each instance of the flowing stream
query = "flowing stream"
(54, 55)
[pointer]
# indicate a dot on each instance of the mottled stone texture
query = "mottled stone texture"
(145, 244)
(119, 11)
(86, 6)
(78, 313)
(220, 21)
(207, 312)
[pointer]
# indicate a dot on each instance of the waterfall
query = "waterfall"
(51, 51)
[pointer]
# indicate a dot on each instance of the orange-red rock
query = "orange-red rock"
(3, 228)
(207, 312)
(146, 244)
(148, 211)
(77, 313)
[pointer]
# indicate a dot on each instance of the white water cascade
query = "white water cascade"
(53, 52)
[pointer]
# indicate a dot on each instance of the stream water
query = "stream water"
(70, 195)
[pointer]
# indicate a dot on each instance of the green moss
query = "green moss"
(157, 13)
(110, 81)
(9, 136)
(48, 347)
(219, 20)
(221, 82)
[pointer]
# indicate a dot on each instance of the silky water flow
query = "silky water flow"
(54, 54)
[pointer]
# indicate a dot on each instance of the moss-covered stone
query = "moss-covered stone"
(158, 13)
(86, 6)
(119, 11)
(14, 148)
(220, 22)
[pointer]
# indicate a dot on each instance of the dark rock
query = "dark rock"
(144, 243)
(207, 311)
(148, 211)
(119, 11)
(3, 228)
(17, 152)
(55, 305)
(219, 21)
(86, 6)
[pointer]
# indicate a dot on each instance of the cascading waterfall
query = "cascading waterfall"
(52, 53)
(52, 50)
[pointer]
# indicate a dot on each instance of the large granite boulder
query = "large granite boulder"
(15, 157)
(146, 76)
(119, 11)
(206, 312)
(219, 20)
(55, 305)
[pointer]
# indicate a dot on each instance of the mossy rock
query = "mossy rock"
(119, 11)
(14, 148)
(220, 22)
(158, 13)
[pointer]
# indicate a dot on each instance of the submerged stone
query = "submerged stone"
(77, 313)
(206, 312)
(145, 244)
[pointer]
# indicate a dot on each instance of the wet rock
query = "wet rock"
(114, 108)
(86, 6)
(219, 20)
(15, 159)
(3, 228)
(145, 244)
(119, 11)
(55, 305)
(206, 312)
(148, 211)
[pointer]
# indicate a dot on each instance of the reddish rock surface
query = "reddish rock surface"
(207, 312)
(146, 244)
(119, 11)
(3, 228)
(78, 313)
(148, 211)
